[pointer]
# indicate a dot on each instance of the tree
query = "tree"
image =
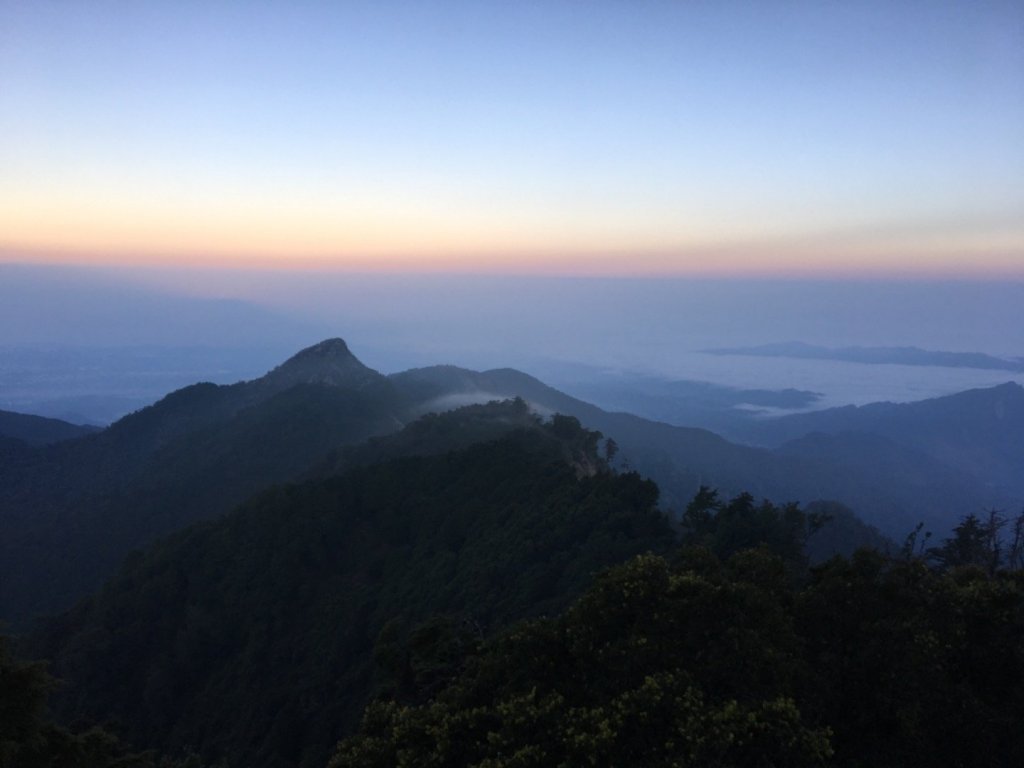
(625, 677)
(29, 740)
(975, 541)
(730, 527)
(611, 448)
(1015, 553)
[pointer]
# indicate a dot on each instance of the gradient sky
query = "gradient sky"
(819, 138)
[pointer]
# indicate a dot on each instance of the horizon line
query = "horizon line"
(564, 266)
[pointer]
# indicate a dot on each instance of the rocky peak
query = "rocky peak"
(330, 362)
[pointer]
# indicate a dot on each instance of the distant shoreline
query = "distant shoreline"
(876, 356)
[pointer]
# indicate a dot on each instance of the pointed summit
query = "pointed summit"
(330, 362)
(326, 349)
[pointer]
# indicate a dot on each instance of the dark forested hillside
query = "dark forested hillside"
(30, 739)
(71, 511)
(253, 638)
(389, 539)
(706, 661)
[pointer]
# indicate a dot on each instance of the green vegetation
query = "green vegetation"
(436, 583)
(726, 528)
(893, 464)
(730, 662)
(254, 637)
(432, 600)
(991, 542)
(72, 511)
(28, 739)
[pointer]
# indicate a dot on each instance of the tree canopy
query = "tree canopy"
(711, 661)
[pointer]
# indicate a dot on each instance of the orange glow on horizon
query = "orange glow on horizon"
(753, 260)
(414, 237)
(413, 233)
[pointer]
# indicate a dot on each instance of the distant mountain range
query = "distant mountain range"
(977, 432)
(100, 384)
(92, 307)
(892, 489)
(70, 511)
(877, 355)
(275, 553)
(37, 430)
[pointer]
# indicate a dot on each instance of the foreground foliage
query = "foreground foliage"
(258, 638)
(28, 739)
(705, 662)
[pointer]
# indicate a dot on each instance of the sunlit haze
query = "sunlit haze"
(794, 139)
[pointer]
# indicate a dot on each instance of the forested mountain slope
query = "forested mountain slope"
(71, 511)
(708, 661)
(978, 432)
(258, 636)
(893, 490)
(253, 637)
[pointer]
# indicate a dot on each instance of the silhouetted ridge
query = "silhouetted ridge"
(330, 362)
(37, 430)
(69, 513)
(254, 637)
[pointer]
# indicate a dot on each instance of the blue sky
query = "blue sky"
(822, 138)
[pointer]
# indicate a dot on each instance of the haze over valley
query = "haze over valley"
(92, 345)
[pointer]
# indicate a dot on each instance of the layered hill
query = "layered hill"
(889, 485)
(37, 430)
(254, 636)
(979, 432)
(329, 533)
(72, 510)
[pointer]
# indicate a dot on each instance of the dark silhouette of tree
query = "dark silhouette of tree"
(28, 739)
(914, 545)
(1015, 551)
(710, 662)
(978, 542)
(740, 523)
(625, 677)
(611, 449)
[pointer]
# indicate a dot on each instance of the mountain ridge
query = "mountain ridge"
(40, 430)
(70, 511)
(305, 579)
(978, 430)
(681, 459)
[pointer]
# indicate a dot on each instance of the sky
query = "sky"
(820, 139)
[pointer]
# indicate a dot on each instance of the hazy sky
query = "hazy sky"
(821, 138)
